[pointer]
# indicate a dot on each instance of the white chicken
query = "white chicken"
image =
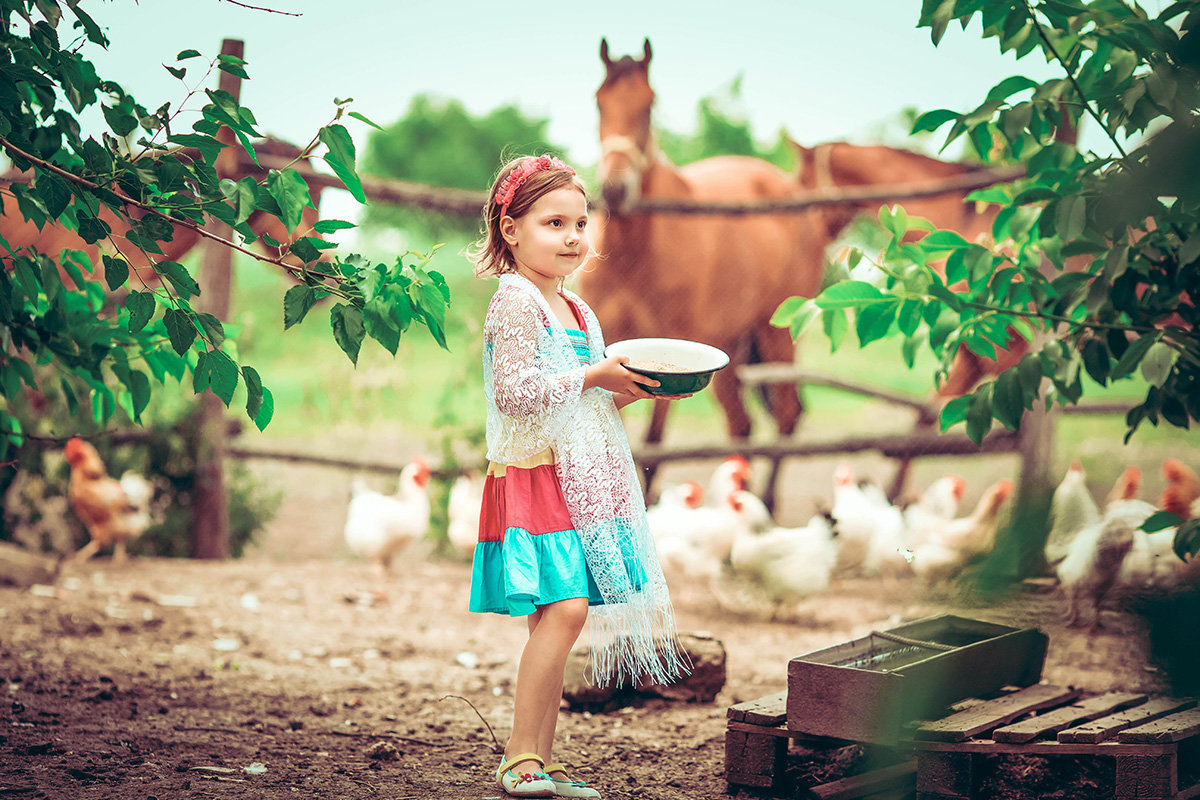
(1071, 510)
(788, 563)
(955, 543)
(1097, 554)
(462, 511)
(869, 527)
(937, 505)
(379, 526)
(687, 554)
(671, 515)
(731, 475)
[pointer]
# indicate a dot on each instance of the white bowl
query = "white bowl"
(697, 361)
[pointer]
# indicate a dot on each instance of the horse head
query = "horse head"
(626, 145)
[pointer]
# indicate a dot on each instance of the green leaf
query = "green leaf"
(291, 193)
(304, 249)
(874, 321)
(361, 118)
(979, 413)
(348, 329)
(213, 328)
(263, 418)
(942, 241)
(241, 196)
(254, 391)
(116, 272)
(932, 120)
(179, 277)
(1190, 250)
(331, 225)
(1132, 357)
(850, 294)
(141, 309)
(186, 54)
(380, 325)
(1072, 216)
(1157, 363)
(1160, 520)
(180, 330)
(1187, 539)
(954, 412)
(296, 304)
(908, 318)
(833, 320)
(782, 317)
(1008, 401)
(341, 158)
(223, 376)
(139, 392)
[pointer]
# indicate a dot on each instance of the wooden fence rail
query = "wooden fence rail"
(466, 202)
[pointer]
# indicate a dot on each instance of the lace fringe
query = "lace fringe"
(628, 643)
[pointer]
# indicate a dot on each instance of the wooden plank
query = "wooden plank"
(752, 760)
(1060, 718)
(1045, 748)
(1174, 728)
(770, 709)
(994, 713)
(762, 730)
(868, 783)
(1107, 727)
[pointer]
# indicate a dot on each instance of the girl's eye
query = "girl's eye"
(556, 222)
(581, 224)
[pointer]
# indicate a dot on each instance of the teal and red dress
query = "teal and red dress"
(529, 554)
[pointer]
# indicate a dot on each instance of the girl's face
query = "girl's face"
(550, 241)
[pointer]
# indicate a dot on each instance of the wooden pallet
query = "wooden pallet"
(1147, 738)
(756, 746)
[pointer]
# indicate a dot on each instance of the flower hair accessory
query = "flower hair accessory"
(508, 187)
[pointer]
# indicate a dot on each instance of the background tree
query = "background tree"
(439, 142)
(1096, 256)
(722, 128)
(97, 326)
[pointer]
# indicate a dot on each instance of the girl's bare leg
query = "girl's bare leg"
(553, 630)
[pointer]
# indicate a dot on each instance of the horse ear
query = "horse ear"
(646, 53)
(604, 52)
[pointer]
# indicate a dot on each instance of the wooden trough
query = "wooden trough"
(866, 690)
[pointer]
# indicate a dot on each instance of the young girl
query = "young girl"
(563, 522)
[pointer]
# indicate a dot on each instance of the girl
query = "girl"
(563, 522)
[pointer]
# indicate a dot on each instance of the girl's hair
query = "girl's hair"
(490, 253)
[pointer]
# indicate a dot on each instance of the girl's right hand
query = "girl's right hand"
(611, 374)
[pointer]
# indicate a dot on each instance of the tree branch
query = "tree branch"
(200, 229)
(1071, 77)
(263, 8)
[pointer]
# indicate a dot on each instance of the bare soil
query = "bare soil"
(268, 677)
(279, 682)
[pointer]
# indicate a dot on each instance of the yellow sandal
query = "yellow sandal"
(528, 784)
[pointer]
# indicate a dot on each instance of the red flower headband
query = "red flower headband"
(508, 187)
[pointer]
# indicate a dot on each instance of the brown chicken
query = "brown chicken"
(1183, 489)
(114, 512)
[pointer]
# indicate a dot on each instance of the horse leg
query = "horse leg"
(776, 345)
(728, 390)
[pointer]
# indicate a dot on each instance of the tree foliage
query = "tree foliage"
(96, 324)
(722, 128)
(439, 142)
(1096, 256)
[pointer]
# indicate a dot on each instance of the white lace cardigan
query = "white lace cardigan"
(533, 384)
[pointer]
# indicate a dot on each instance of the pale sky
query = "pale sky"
(822, 70)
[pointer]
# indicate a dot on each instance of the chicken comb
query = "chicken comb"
(1076, 465)
(960, 485)
(695, 494)
(843, 475)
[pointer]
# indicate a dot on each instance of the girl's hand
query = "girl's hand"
(611, 374)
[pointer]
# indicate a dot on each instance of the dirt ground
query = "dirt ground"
(168, 679)
(267, 677)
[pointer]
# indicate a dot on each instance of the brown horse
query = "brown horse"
(711, 278)
(840, 165)
(51, 239)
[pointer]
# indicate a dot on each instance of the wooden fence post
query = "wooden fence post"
(209, 528)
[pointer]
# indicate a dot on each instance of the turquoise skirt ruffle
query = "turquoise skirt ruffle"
(525, 571)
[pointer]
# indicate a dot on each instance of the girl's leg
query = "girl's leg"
(553, 630)
(548, 726)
